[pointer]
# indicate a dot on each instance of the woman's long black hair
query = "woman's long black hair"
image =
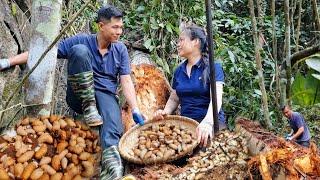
(196, 32)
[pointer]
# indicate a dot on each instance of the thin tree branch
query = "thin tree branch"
(304, 53)
(298, 25)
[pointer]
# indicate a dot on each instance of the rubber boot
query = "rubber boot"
(82, 86)
(112, 167)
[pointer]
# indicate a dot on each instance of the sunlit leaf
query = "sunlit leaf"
(140, 8)
(147, 43)
(257, 91)
(169, 27)
(314, 62)
(231, 56)
(316, 76)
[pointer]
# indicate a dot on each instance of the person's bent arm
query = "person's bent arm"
(19, 59)
(204, 130)
(298, 133)
(130, 95)
(128, 90)
(170, 107)
(15, 60)
(219, 91)
(172, 102)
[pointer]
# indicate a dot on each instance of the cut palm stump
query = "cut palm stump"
(152, 89)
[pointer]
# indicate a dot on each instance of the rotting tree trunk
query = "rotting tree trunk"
(259, 66)
(297, 36)
(316, 14)
(287, 50)
(46, 18)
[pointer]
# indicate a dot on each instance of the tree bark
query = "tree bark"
(260, 13)
(287, 49)
(8, 19)
(259, 66)
(46, 19)
(297, 36)
(274, 52)
(304, 53)
(316, 14)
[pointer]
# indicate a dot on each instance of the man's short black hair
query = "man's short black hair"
(283, 107)
(107, 12)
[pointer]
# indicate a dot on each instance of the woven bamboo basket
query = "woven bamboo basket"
(130, 139)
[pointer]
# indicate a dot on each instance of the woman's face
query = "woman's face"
(186, 46)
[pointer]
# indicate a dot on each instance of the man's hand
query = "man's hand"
(137, 117)
(204, 133)
(289, 138)
(4, 64)
(159, 115)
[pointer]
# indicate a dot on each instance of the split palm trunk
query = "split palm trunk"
(45, 21)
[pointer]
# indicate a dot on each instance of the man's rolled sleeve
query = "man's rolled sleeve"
(65, 45)
(125, 62)
(299, 121)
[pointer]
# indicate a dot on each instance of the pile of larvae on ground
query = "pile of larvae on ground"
(163, 141)
(50, 147)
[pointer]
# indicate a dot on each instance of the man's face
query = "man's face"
(112, 29)
(287, 112)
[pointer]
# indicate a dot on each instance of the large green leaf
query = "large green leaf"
(305, 90)
(314, 62)
(316, 76)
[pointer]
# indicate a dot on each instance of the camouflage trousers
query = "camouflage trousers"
(111, 165)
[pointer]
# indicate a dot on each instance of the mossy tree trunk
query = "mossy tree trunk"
(45, 21)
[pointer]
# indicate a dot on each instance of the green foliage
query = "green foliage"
(305, 90)
(13, 9)
(85, 22)
(155, 25)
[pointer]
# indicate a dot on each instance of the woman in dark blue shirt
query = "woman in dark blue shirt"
(191, 84)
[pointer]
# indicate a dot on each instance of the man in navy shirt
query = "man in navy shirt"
(300, 131)
(96, 63)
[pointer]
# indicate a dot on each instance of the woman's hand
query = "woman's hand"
(159, 114)
(204, 133)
